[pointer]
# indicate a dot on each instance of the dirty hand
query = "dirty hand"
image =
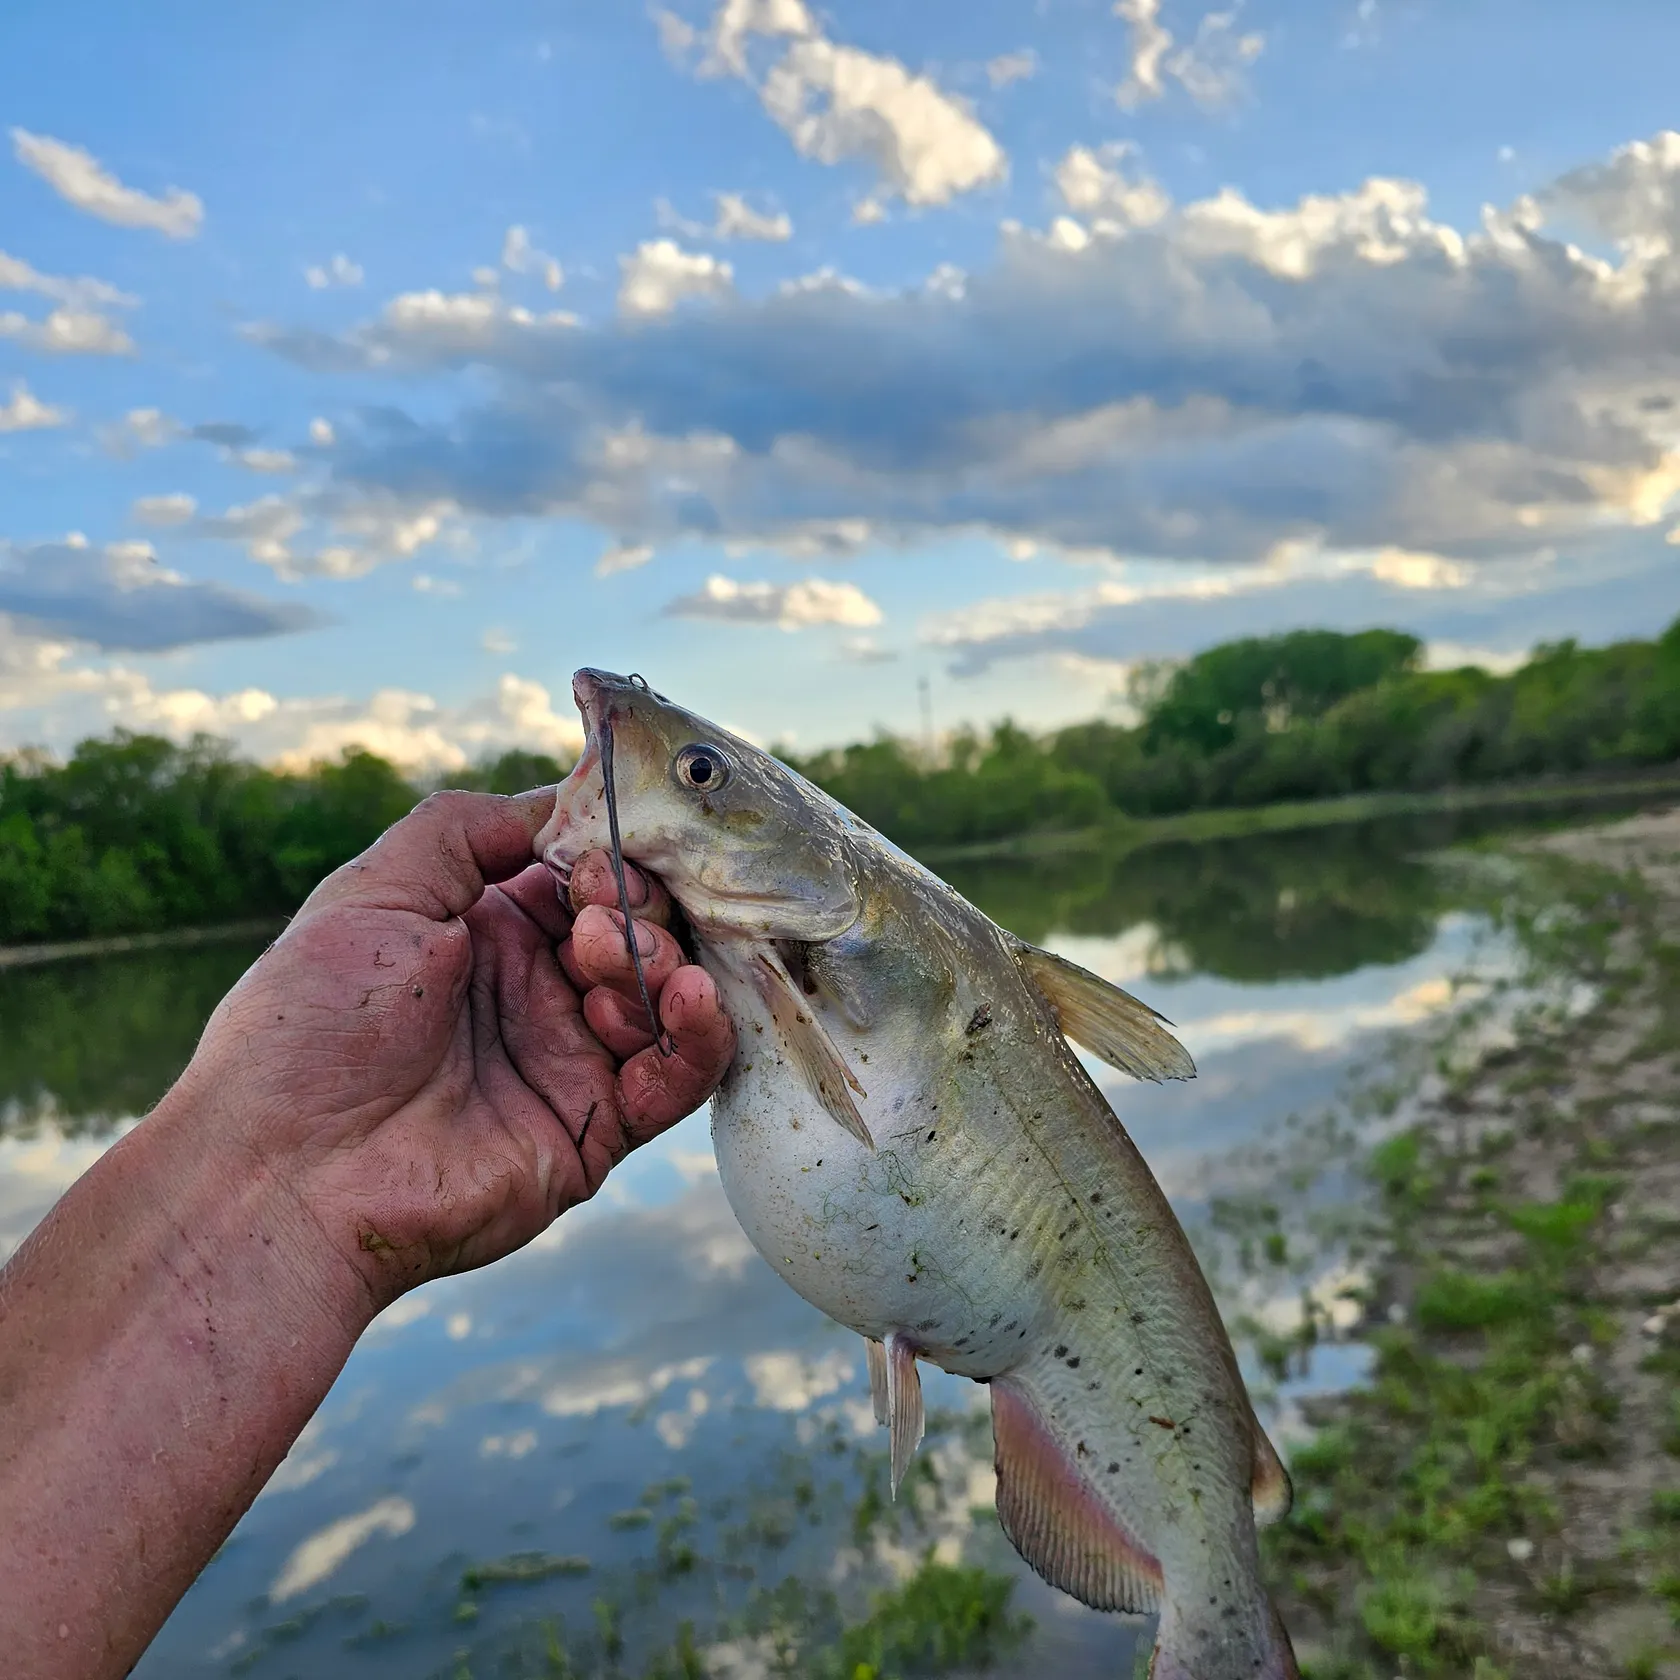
(441, 1064)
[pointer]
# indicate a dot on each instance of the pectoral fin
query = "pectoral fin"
(1272, 1493)
(1109, 1022)
(876, 1353)
(810, 1049)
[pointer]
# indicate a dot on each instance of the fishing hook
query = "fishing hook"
(662, 1040)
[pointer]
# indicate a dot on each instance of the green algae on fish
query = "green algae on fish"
(908, 1138)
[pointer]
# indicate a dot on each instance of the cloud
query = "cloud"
(79, 178)
(1095, 184)
(497, 642)
(837, 103)
(16, 275)
(794, 606)
(264, 460)
(623, 557)
(520, 256)
(140, 428)
(347, 537)
(659, 274)
(174, 509)
(1500, 612)
(735, 219)
(339, 272)
(25, 412)
(225, 434)
(118, 596)
(1199, 382)
(67, 332)
(1211, 69)
(1019, 66)
(319, 1557)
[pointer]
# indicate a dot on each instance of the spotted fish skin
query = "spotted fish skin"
(908, 1138)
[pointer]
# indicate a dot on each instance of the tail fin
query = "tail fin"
(1236, 1648)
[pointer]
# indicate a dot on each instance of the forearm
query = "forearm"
(164, 1336)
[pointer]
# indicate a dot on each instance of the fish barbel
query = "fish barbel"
(907, 1137)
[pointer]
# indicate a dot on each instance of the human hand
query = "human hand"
(440, 1065)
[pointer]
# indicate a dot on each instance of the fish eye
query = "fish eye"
(703, 768)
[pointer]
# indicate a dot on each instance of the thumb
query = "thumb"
(439, 859)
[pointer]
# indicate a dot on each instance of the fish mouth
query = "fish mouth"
(579, 823)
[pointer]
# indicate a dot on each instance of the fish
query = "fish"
(908, 1137)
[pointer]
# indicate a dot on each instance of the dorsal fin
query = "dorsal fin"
(810, 1049)
(1271, 1489)
(1109, 1022)
(1055, 1520)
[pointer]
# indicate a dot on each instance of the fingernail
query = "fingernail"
(635, 885)
(646, 944)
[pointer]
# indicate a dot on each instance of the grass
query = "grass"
(1411, 1490)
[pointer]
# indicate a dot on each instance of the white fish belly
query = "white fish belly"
(881, 1241)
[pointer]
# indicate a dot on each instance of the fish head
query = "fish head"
(746, 846)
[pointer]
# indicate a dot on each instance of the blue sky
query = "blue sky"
(365, 369)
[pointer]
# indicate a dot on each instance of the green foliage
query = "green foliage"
(943, 1617)
(1310, 715)
(135, 834)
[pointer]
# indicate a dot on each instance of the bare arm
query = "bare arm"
(410, 1083)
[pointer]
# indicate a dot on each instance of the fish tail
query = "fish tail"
(1251, 1646)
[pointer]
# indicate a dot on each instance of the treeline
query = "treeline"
(1309, 715)
(135, 833)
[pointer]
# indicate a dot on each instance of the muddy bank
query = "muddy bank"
(1502, 1497)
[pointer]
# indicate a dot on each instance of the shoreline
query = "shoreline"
(1500, 1496)
(121, 944)
(1234, 821)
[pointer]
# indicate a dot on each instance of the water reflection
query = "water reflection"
(634, 1423)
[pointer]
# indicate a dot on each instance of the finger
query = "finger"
(657, 1091)
(439, 858)
(593, 883)
(536, 892)
(598, 955)
(619, 1022)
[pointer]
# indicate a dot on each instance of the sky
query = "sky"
(365, 369)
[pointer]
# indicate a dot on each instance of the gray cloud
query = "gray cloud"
(118, 596)
(1347, 373)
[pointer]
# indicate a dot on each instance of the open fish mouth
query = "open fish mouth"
(592, 691)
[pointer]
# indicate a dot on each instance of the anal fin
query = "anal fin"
(812, 1052)
(1110, 1023)
(1056, 1521)
(904, 1403)
(1271, 1489)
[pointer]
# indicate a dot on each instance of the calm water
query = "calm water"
(634, 1423)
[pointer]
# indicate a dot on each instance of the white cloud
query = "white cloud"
(793, 606)
(623, 557)
(339, 272)
(79, 178)
(1178, 383)
(868, 211)
(174, 509)
(1210, 69)
(736, 219)
(789, 1382)
(25, 412)
(264, 460)
(16, 275)
(520, 256)
(1096, 185)
(321, 433)
(140, 428)
(498, 642)
(837, 103)
(68, 332)
(322, 1554)
(659, 274)
(1019, 66)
